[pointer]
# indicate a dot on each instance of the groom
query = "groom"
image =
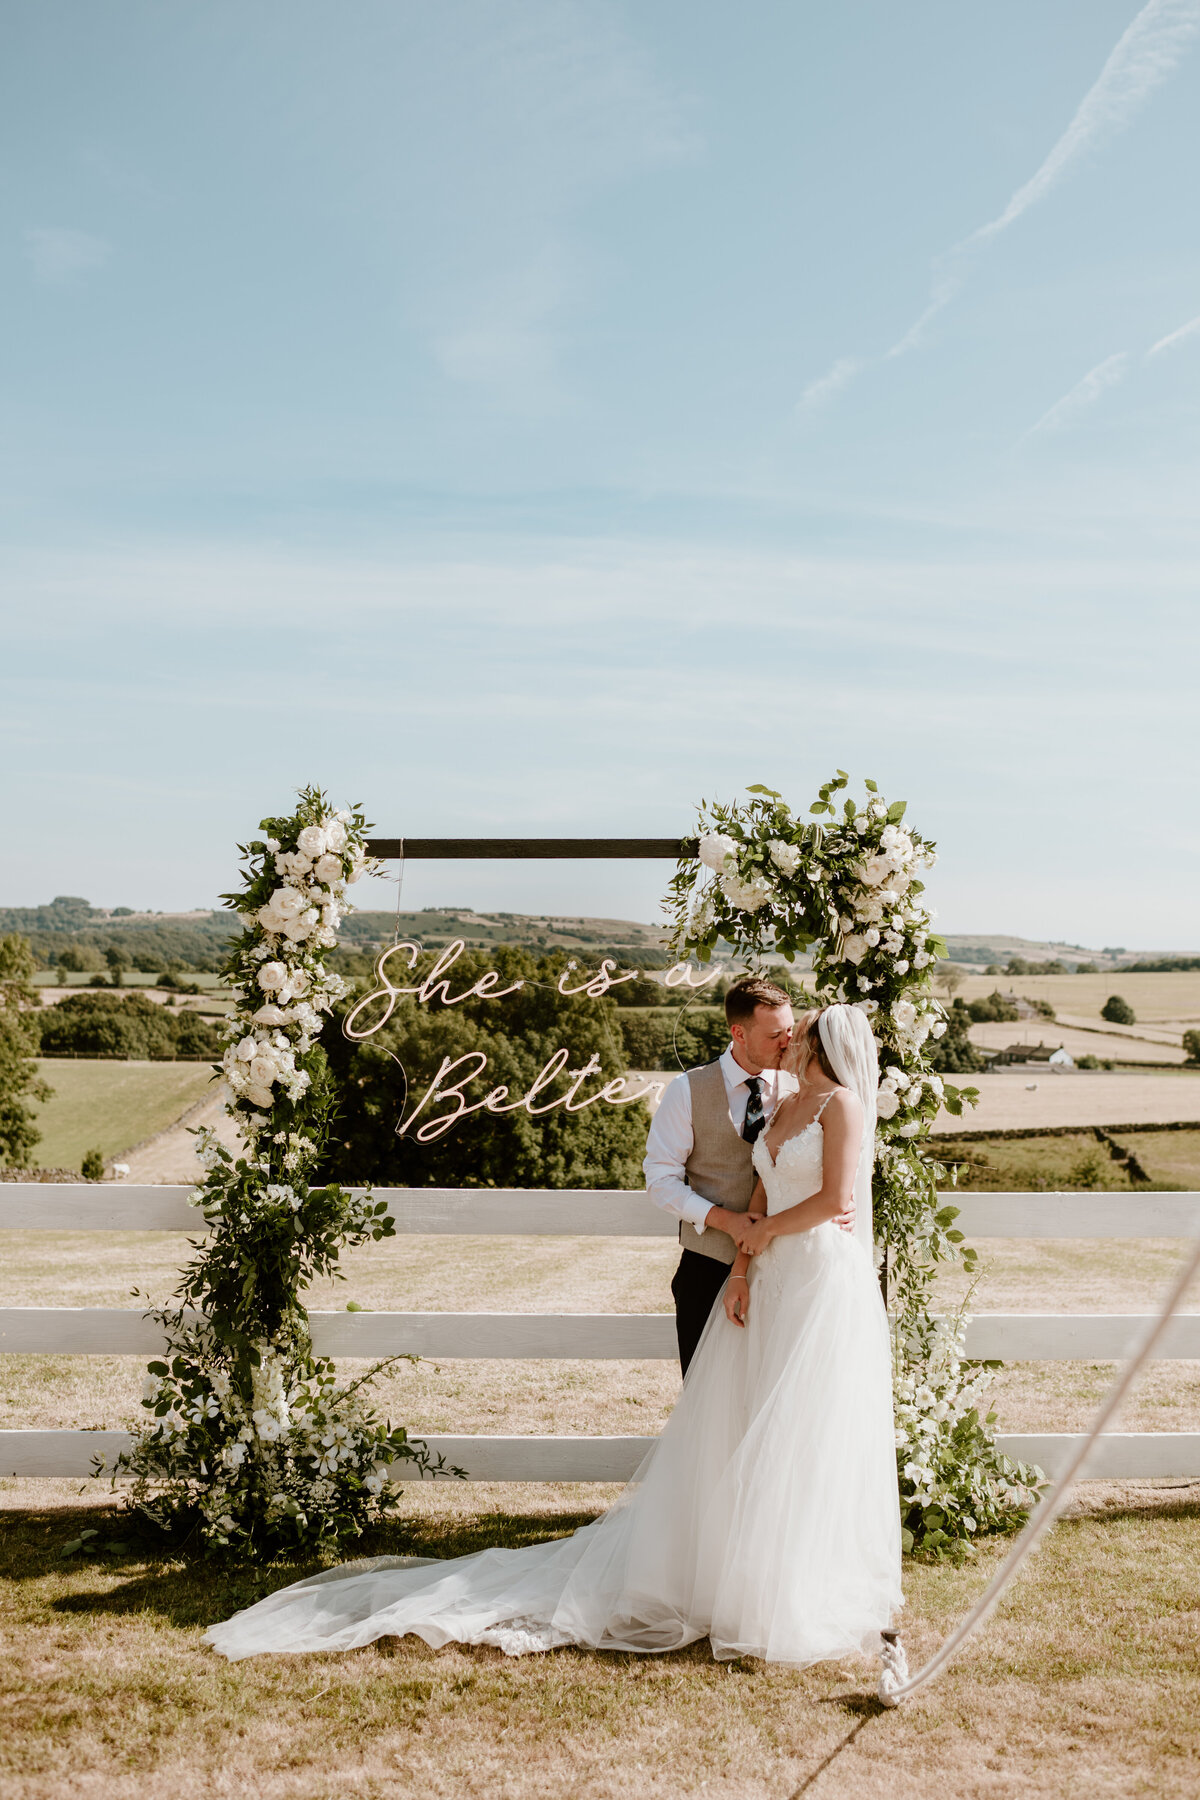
(698, 1163)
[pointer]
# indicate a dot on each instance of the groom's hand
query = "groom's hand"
(736, 1225)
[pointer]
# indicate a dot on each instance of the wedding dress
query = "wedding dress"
(765, 1517)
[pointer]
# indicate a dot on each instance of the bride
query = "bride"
(765, 1517)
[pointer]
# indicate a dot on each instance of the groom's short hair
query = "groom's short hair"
(748, 992)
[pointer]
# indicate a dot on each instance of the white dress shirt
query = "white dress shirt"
(671, 1139)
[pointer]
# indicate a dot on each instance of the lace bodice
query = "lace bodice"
(797, 1170)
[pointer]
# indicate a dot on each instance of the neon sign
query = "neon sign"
(437, 986)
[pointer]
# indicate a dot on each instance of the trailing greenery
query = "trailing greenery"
(19, 1080)
(249, 1442)
(845, 884)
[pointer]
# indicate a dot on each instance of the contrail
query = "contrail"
(1094, 383)
(1149, 51)
(1174, 337)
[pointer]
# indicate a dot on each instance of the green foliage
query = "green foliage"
(250, 1443)
(92, 1167)
(1191, 1044)
(995, 1009)
(19, 1079)
(955, 1054)
(70, 957)
(542, 1145)
(673, 1038)
(1118, 1011)
(129, 1025)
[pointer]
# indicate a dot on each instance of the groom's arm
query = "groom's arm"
(667, 1149)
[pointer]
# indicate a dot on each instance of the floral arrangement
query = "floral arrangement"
(250, 1442)
(846, 885)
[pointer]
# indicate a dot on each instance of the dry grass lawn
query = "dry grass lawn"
(1086, 1683)
(1168, 1000)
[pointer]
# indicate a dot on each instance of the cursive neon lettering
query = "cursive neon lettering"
(591, 1067)
(435, 1091)
(386, 990)
(680, 975)
(596, 986)
(551, 1072)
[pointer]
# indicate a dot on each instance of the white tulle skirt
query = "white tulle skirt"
(765, 1517)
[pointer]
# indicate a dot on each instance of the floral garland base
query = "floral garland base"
(250, 1443)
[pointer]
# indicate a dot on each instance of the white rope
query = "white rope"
(895, 1683)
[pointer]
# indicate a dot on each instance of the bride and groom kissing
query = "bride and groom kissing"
(765, 1517)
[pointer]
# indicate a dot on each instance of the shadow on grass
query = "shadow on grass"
(189, 1589)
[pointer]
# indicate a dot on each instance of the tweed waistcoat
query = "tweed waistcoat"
(720, 1167)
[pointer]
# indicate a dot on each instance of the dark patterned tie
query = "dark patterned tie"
(756, 1118)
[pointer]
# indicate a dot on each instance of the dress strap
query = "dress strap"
(824, 1104)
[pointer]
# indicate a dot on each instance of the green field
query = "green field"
(1075, 1160)
(110, 1106)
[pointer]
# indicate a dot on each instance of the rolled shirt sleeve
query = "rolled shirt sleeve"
(667, 1149)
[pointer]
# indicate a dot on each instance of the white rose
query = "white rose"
(260, 1097)
(897, 1077)
(335, 833)
(288, 902)
(714, 850)
(786, 857)
(905, 1014)
(328, 869)
(886, 1102)
(747, 896)
(854, 949)
(263, 1071)
(875, 870)
(902, 967)
(312, 841)
(270, 1015)
(247, 1049)
(872, 937)
(939, 1029)
(911, 1129)
(272, 976)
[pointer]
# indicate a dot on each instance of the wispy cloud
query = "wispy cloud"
(843, 370)
(57, 255)
(1173, 338)
(1085, 393)
(1146, 54)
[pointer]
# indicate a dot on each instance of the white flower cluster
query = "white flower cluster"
(298, 921)
(898, 1089)
(297, 1440)
(933, 1395)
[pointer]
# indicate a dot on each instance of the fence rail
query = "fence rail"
(70, 1206)
(580, 1212)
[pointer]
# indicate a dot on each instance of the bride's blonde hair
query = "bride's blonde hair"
(806, 1047)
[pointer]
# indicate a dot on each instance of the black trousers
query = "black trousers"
(698, 1281)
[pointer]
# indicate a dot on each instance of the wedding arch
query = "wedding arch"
(250, 1441)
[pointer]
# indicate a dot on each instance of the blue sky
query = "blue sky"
(533, 417)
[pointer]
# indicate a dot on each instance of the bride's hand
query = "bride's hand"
(758, 1237)
(737, 1299)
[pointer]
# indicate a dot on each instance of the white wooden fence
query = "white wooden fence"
(1012, 1337)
